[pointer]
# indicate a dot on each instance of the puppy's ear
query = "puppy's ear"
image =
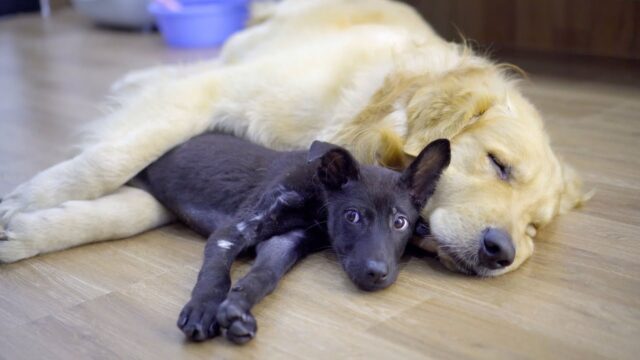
(336, 167)
(422, 175)
(318, 149)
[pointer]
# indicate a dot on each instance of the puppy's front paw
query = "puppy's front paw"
(197, 320)
(239, 324)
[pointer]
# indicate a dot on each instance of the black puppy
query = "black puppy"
(285, 204)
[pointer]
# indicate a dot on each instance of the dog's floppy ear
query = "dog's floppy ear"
(445, 110)
(336, 167)
(421, 177)
(450, 116)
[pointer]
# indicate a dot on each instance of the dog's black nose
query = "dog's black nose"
(496, 249)
(377, 271)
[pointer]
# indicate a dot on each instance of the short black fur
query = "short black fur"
(285, 205)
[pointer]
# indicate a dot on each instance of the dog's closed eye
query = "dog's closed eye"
(503, 170)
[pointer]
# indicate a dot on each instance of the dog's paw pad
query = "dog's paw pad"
(239, 324)
(242, 331)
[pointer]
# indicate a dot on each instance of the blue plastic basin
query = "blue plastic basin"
(200, 23)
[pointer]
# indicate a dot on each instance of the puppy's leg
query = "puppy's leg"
(126, 212)
(274, 258)
(198, 317)
(201, 220)
(147, 126)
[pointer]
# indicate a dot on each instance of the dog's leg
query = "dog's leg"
(198, 317)
(201, 220)
(138, 79)
(241, 45)
(141, 131)
(274, 258)
(126, 212)
(261, 221)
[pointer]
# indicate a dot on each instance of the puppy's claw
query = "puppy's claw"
(182, 320)
(197, 321)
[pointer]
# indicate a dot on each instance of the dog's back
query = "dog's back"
(213, 172)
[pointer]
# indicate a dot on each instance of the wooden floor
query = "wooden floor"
(578, 297)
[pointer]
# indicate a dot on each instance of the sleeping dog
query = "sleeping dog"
(285, 205)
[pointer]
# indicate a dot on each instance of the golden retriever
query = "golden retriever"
(370, 75)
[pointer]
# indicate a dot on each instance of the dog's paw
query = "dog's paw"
(27, 235)
(197, 320)
(239, 324)
(12, 249)
(8, 208)
(18, 201)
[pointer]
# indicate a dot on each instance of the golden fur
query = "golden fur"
(367, 74)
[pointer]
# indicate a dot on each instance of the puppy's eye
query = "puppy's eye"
(352, 216)
(504, 171)
(400, 223)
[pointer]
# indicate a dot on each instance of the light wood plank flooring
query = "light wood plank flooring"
(578, 297)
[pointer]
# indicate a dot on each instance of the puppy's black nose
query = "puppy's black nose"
(377, 271)
(496, 249)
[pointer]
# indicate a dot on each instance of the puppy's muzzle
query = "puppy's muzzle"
(377, 271)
